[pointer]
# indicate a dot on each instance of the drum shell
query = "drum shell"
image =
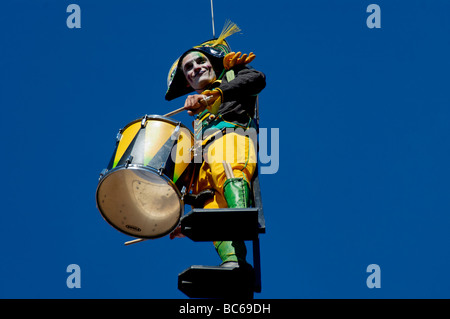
(156, 153)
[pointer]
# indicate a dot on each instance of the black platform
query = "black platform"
(226, 223)
(221, 224)
(217, 282)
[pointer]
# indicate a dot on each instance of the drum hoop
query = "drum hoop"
(159, 118)
(138, 166)
(135, 167)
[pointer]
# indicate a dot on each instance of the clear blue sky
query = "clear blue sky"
(363, 116)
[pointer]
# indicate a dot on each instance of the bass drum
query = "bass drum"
(141, 191)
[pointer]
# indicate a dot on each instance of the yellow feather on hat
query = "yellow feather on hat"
(228, 29)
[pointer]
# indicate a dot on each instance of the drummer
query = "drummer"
(225, 90)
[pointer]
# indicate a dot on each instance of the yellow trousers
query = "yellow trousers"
(237, 150)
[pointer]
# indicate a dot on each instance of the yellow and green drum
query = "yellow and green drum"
(141, 191)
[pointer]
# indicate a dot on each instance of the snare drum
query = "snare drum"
(141, 191)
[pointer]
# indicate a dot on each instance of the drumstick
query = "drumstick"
(228, 170)
(181, 109)
(134, 241)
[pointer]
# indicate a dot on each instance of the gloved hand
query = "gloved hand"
(212, 95)
(213, 100)
(232, 59)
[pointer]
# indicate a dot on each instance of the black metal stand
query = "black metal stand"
(224, 224)
(216, 282)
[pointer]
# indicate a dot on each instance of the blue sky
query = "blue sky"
(364, 143)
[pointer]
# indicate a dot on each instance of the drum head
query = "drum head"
(139, 202)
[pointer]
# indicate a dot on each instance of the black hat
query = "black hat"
(214, 49)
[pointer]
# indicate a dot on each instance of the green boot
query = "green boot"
(236, 192)
(231, 251)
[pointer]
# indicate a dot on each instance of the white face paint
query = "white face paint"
(198, 70)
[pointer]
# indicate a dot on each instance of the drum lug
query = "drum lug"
(119, 136)
(144, 121)
(128, 161)
(102, 173)
(176, 132)
(161, 169)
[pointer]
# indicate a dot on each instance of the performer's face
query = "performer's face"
(198, 70)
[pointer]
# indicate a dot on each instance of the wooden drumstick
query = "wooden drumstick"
(228, 170)
(181, 109)
(135, 241)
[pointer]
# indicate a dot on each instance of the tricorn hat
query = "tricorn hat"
(214, 49)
